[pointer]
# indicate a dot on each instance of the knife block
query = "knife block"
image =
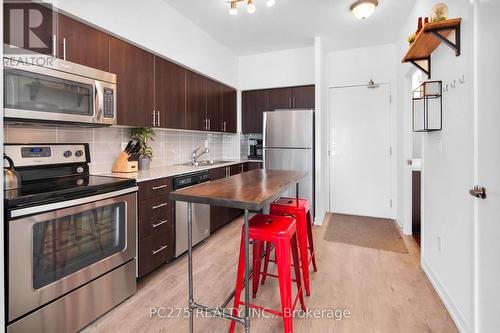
(122, 164)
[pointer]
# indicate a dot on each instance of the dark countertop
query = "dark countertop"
(251, 190)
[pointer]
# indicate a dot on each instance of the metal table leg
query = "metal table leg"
(190, 264)
(247, 274)
(297, 193)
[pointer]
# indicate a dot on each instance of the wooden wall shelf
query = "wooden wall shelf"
(429, 38)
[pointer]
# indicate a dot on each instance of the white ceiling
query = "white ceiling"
(294, 23)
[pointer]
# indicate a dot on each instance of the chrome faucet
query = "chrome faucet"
(195, 157)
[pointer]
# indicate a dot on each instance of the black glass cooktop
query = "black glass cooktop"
(60, 189)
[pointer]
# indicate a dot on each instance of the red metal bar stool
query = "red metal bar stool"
(299, 209)
(281, 232)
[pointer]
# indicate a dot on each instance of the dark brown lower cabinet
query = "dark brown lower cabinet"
(249, 166)
(220, 216)
(156, 227)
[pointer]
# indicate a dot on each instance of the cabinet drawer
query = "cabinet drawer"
(154, 188)
(153, 213)
(155, 250)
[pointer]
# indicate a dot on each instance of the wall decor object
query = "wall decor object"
(439, 12)
(428, 107)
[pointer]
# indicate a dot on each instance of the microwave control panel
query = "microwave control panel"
(109, 103)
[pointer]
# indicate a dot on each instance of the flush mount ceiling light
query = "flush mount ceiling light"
(233, 10)
(364, 8)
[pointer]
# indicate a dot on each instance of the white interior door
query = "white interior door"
(487, 231)
(360, 152)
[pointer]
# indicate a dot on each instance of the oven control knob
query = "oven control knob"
(67, 153)
(79, 153)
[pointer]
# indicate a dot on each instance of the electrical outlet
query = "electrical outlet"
(439, 244)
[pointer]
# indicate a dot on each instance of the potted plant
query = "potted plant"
(143, 135)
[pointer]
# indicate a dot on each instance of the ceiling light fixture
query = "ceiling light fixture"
(234, 8)
(250, 7)
(364, 8)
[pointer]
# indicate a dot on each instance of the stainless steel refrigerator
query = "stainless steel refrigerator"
(289, 145)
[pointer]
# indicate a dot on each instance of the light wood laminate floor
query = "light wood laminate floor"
(383, 291)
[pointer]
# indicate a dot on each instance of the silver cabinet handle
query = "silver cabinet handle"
(209, 124)
(64, 48)
(224, 126)
(158, 123)
(206, 124)
(54, 46)
(159, 223)
(159, 187)
(160, 205)
(154, 119)
(242, 168)
(160, 249)
(293, 104)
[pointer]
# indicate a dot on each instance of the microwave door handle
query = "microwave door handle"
(99, 102)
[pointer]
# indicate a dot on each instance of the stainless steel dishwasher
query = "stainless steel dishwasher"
(201, 214)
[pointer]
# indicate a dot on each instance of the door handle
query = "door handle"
(478, 192)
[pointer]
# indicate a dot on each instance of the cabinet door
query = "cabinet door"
(236, 169)
(214, 105)
(134, 69)
(280, 98)
(82, 44)
(219, 216)
(303, 97)
(253, 166)
(229, 112)
(196, 101)
(170, 93)
(255, 102)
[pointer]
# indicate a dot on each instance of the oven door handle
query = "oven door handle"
(75, 202)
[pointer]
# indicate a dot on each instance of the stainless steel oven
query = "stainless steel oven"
(55, 91)
(56, 248)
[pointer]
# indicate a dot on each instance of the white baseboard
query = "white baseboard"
(455, 314)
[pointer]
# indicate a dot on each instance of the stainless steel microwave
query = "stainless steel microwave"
(57, 92)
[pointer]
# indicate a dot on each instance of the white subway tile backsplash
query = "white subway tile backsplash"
(170, 146)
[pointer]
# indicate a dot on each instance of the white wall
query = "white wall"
(357, 67)
(277, 69)
(447, 169)
(156, 26)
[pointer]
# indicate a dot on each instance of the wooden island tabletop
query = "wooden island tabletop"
(252, 190)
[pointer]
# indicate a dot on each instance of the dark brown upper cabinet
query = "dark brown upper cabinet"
(292, 98)
(82, 44)
(254, 103)
(196, 94)
(229, 114)
(134, 69)
(280, 98)
(170, 94)
(303, 97)
(214, 106)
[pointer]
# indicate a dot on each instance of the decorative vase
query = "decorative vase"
(144, 163)
(439, 12)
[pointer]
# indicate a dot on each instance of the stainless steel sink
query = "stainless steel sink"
(205, 163)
